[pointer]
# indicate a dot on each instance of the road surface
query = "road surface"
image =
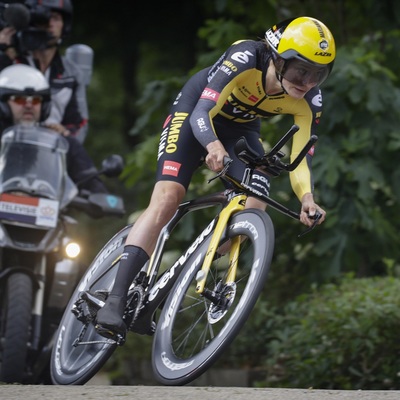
(101, 392)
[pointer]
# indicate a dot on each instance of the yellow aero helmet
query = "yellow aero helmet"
(302, 38)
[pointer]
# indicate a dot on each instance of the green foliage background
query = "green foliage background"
(142, 57)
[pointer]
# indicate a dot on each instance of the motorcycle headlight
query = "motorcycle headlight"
(72, 249)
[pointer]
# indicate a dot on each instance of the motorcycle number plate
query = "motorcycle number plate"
(29, 210)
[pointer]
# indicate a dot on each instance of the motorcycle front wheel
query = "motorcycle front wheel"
(79, 351)
(193, 329)
(15, 320)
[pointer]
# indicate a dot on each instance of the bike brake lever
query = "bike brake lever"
(316, 217)
(227, 163)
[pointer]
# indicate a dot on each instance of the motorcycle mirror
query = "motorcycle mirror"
(112, 166)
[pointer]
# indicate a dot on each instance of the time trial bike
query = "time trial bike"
(197, 306)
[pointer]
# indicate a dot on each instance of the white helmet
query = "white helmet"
(21, 79)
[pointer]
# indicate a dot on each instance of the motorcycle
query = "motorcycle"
(37, 275)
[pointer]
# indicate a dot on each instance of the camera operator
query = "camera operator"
(32, 35)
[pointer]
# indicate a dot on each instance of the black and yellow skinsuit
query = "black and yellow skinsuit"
(227, 101)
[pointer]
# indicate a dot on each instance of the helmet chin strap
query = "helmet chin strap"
(280, 79)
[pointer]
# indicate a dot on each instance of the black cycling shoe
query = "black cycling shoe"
(109, 322)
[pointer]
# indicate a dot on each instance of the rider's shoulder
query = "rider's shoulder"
(314, 98)
(247, 44)
(245, 51)
(315, 91)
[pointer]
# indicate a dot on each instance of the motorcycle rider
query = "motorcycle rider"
(25, 99)
(69, 111)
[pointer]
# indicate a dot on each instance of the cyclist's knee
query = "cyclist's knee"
(255, 203)
(166, 197)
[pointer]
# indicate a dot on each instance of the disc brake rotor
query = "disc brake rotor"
(217, 311)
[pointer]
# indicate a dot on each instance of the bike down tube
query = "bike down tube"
(236, 204)
(151, 305)
(211, 200)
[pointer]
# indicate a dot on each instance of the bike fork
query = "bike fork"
(236, 204)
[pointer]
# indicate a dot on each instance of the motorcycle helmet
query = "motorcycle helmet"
(40, 12)
(302, 45)
(21, 79)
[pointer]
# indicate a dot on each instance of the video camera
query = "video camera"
(26, 21)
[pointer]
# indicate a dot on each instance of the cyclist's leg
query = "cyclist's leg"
(229, 133)
(255, 203)
(141, 239)
(179, 154)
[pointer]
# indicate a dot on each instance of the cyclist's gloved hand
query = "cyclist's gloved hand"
(215, 157)
(311, 213)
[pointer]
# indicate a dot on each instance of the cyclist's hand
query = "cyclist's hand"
(215, 157)
(309, 209)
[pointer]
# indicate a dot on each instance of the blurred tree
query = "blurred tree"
(142, 58)
(361, 102)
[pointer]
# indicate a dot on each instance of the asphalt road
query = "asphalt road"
(100, 392)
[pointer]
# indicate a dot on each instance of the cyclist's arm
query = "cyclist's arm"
(307, 119)
(218, 89)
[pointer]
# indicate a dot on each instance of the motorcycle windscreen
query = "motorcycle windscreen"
(33, 161)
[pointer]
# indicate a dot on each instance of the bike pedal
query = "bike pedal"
(119, 338)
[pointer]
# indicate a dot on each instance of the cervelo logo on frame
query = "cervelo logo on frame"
(242, 56)
(171, 168)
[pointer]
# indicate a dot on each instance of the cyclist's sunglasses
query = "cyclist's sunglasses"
(22, 100)
(302, 73)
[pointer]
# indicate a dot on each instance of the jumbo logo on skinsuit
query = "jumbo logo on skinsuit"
(170, 136)
(242, 56)
(317, 100)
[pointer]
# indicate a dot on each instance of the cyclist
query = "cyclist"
(25, 99)
(251, 80)
(51, 23)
